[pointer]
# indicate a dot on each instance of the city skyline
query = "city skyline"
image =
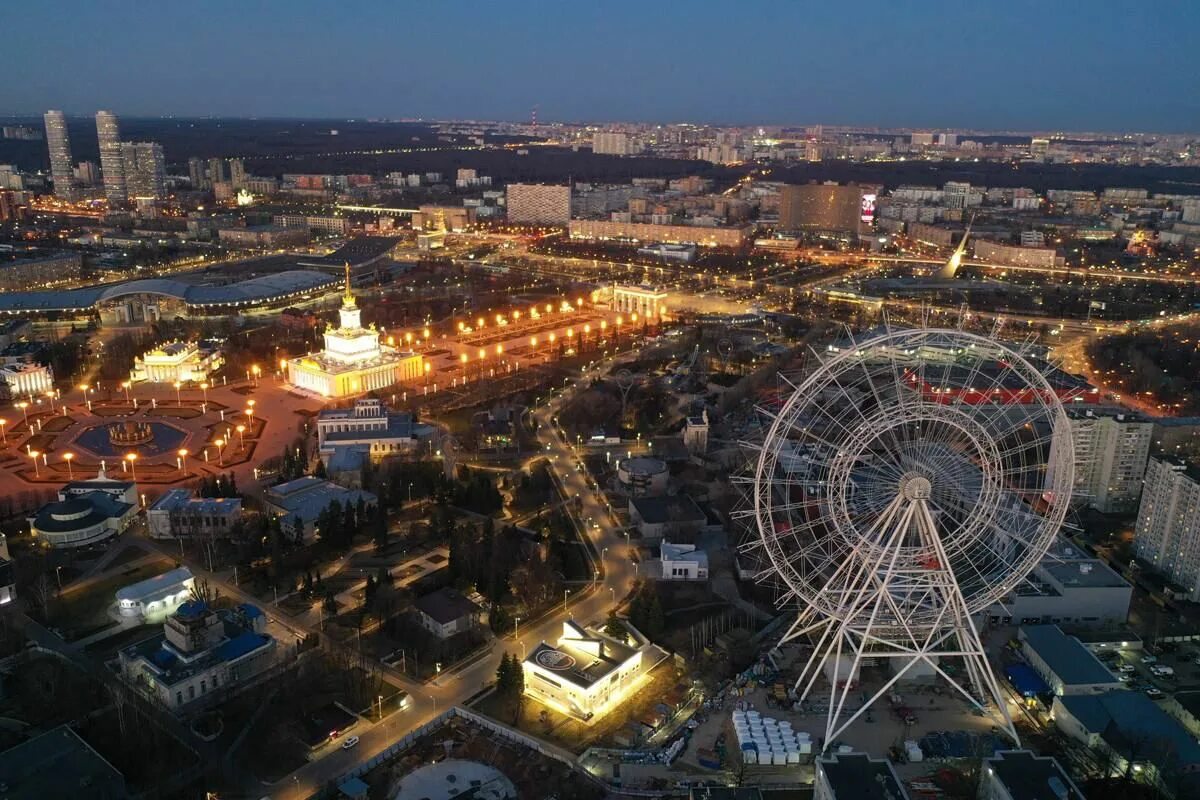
(873, 65)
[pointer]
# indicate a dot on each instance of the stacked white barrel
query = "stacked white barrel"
(764, 740)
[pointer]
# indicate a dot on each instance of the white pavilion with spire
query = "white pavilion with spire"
(354, 361)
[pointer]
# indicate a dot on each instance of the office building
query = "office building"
(112, 161)
(1167, 534)
(1023, 775)
(354, 361)
(237, 173)
(145, 170)
(337, 226)
(538, 204)
(39, 269)
(638, 232)
(202, 655)
(822, 208)
(613, 143)
(58, 142)
(1111, 450)
(179, 513)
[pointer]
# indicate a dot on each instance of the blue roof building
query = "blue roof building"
(301, 501)
(201, 656)
(1132, 727)
(1063, 662)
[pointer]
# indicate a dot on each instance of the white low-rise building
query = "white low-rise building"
(157, 598)
(683, 562)
(178, 362)
(26, 379)
(586, 673)
(87, 512)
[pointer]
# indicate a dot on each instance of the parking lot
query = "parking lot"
(1172, 669)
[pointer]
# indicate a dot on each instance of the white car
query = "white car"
(1153, 693)
(350, 742)
(1149, 659)
(1126, 668)
(1125, 678)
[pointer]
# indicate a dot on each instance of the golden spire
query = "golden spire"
(348, 298)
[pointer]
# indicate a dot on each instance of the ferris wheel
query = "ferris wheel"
(909, 482)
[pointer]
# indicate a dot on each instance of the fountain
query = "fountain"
(130, 434)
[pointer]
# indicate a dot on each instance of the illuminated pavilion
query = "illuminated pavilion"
(354, 361)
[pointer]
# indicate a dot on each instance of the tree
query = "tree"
(370, 591)
(319, 470)
(615, 627)
(330, 605)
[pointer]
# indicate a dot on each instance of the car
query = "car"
(350, 743)
(1125, 678)
(1149, 659)
(1126, 668)
(1154, 693)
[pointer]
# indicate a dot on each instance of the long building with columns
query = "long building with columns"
(646, 301)
(354, 361)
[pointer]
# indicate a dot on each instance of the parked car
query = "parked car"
(1125, 678)
(1154, 693)
(1149, 659)
(1126, 668)
(350, 742)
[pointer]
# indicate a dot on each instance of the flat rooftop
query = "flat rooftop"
(1090, 573)
(1066, 656)
(1029, 777)
(856, 776)
(58, 764)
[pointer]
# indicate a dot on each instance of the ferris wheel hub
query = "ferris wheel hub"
(915, 487)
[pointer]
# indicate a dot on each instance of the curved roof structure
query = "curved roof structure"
(263, 289)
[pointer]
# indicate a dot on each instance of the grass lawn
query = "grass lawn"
(87, 607)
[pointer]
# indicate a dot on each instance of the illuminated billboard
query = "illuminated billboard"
(868, 209)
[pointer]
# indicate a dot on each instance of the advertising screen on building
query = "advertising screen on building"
(868, 208)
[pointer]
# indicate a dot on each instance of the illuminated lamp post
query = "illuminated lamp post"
(181, 459)
(241, 430)
(256, 371)
(125, 386)
(23, 406)
(70, 472)
(220, 444)
(179, 394)
(33, 454)
(132, 459)
(3, 435)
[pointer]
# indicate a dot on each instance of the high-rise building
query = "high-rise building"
(1110, 457)
(1167, 534)
(112, 166)
(218, 170)
(58, 142)
(197, 173)
(538, 204)
(822, 207)
(145, 170)
(87, 173)
(613, 143)
(237, 173)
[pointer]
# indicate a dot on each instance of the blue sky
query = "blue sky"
(1053, 64)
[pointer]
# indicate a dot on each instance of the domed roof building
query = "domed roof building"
(87, 512)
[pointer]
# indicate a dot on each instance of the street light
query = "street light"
(204, 388)
(83, 389)
(23, 405)
(178, 395)
(181, 458)
(241, 429)
(132, 459)
(125, 386)
(70, 473)
(3, 435)
(256, 370)
(33, 454)
(220, 443)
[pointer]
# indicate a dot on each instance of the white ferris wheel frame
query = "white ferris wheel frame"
(865, 611)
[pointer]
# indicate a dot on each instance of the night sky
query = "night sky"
(1016, 65)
